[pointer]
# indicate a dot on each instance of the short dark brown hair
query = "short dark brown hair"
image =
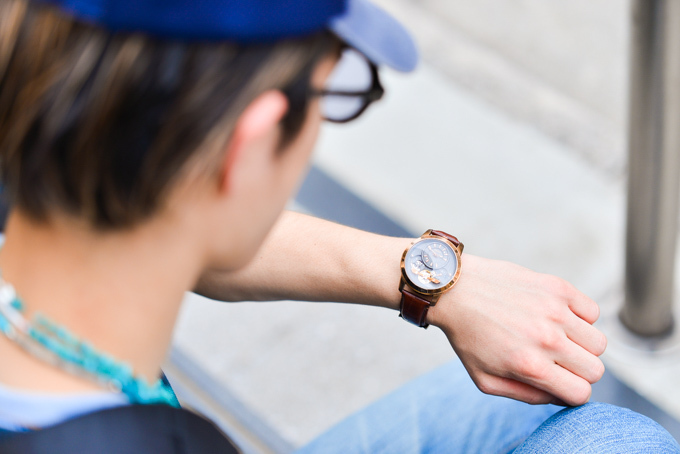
(99, 125)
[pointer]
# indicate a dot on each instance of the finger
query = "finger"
(513, 389)
(586, 335)
(584, 307)
(561, 383)
(581, 362)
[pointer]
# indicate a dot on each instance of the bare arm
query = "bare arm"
(520, 334)
(309, 259)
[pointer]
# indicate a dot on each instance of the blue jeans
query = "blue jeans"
(443, 412)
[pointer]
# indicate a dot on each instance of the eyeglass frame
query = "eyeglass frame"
(373, 94)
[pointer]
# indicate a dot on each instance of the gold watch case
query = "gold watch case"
(406, 280)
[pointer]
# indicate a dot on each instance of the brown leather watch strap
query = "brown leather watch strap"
(413, 308)
(449, 237)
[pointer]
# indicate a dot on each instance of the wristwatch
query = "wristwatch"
(429, 268)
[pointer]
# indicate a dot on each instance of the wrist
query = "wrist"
(430, 267)
(436, 314)
(371, 273)
(391, 295)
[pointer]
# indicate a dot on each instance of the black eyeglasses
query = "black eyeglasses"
(352, 87)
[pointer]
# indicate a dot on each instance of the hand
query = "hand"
(521, 334)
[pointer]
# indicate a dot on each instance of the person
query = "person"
(149, 148)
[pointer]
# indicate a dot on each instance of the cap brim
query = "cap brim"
(376, 34)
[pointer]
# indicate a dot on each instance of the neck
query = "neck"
(119, 291)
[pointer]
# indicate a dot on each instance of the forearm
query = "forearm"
(309, 259)
(520, 334)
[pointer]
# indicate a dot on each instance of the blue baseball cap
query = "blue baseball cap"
(359, 23)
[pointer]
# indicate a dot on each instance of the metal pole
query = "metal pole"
(654, 167)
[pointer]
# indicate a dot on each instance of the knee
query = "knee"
(599, 428)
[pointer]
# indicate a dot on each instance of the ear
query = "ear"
(256, 128)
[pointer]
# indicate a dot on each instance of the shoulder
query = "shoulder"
(128, 429)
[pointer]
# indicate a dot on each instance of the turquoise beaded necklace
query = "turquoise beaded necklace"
(55, 344)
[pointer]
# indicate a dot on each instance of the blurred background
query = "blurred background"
(516, 119)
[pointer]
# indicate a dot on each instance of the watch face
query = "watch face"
(430, 265)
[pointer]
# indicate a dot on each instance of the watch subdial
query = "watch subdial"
(435, 255)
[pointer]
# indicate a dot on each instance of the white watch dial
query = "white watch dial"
(431, 264)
